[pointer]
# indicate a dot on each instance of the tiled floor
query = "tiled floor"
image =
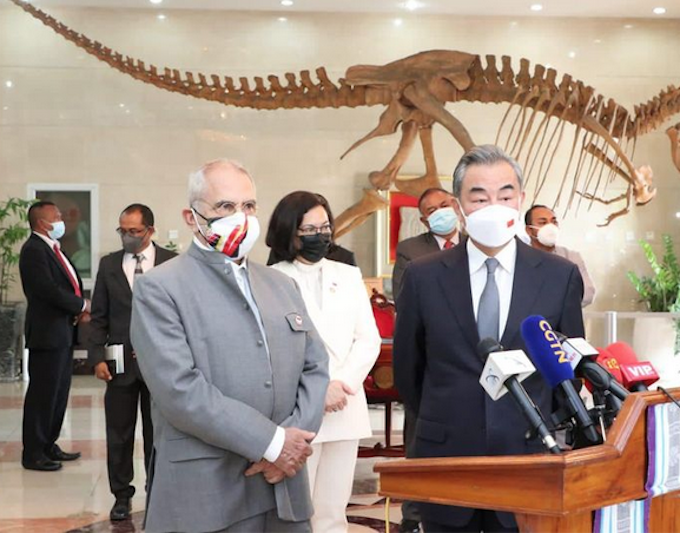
(77, 497)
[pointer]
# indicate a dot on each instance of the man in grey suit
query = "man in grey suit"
(437, 214)
(236, 371)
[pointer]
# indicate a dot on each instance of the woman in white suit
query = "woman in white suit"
(300, 232)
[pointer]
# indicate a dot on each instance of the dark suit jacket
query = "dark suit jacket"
(408, 250)
(52, 302)
(111, 310)
(437, 369)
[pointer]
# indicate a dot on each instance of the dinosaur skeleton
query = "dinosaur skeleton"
(415, 91)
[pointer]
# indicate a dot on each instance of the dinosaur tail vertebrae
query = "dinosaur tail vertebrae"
(297, 92)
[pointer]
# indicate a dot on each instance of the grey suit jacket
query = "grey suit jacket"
(407, 251)
(217, 396)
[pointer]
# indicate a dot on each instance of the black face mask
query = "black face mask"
(315, 247)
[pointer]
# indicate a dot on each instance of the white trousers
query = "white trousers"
(331, 474)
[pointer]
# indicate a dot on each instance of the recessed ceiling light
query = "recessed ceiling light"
(161, 16)
(597, 41)
(659, 10)
(282, 19)
(572, 54)
(536, 7)
(412, 5)
(6, 108)
(677, 214)
(121, 105)
(628, 26)
(287, 3)
(156, 1)
(397, 22)
(9, 84)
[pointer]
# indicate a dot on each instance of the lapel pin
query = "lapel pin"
(298, 320)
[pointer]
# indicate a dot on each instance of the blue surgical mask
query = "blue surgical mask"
(443, 221)
(57, 231)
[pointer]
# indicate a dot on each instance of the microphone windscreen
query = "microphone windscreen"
(608, 361)
(623, 353)
(487, 346)
(545, 350)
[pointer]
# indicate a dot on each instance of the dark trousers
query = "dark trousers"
(409, 509)
(486, 521)
(46, 399)
(120, 404)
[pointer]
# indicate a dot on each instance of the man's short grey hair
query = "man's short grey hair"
(485, 154)
(197, 178)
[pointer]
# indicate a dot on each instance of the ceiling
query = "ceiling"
(505, 8)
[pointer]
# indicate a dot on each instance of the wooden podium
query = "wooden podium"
(547, 493)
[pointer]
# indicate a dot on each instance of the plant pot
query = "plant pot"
(12, 317)
(654, 341)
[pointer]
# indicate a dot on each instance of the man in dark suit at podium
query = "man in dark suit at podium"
(54, 292)
(110, 325)
(484, 287)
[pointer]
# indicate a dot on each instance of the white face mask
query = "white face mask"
(234, 236)
(547, 235)
(492, 226)
(57, 231)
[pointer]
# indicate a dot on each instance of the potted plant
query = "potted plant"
(14, 229)
(655, 339)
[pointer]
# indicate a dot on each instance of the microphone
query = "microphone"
(637, 375)
(547, 354)
(580, 355)
(503, 372)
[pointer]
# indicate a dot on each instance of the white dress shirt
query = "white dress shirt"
(441, 241)
(130, 263)
(504, 275)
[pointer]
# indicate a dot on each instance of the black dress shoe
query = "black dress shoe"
(57, 454)
(43, 465)
(409, 526)
(121, 509)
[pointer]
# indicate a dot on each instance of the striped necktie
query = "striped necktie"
(138, 266)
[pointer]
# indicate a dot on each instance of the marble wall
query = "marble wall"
(68, 118)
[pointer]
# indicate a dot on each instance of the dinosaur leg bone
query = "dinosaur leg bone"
(420, 97)
(358, 213)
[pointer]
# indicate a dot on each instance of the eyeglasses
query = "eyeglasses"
(134, 232)
(226, 209)
(309, 229)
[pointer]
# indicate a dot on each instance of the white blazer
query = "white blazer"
(347, 327)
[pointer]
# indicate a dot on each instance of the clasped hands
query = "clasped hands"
(293, 456)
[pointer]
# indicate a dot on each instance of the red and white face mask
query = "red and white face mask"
(234, 236)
